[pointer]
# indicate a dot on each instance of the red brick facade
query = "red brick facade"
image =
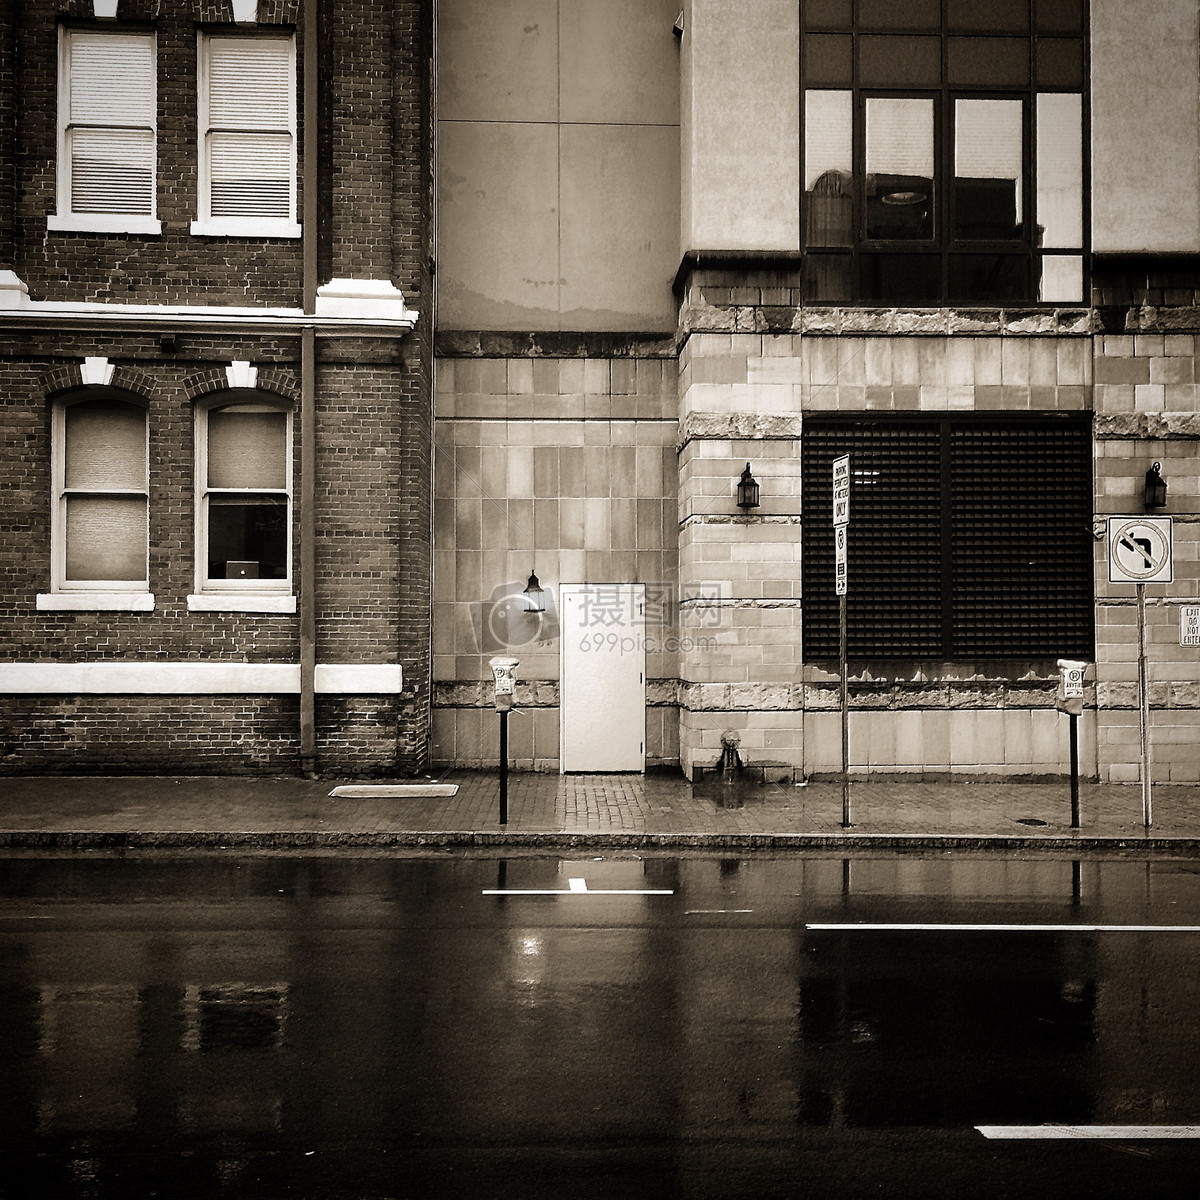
(156, 309)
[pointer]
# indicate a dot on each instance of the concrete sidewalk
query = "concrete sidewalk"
(604, 811)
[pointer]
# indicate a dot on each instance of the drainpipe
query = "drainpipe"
(308, 407)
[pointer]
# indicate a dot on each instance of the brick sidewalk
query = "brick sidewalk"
(548, 810)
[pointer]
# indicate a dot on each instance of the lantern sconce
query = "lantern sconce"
(1156, 488)
(535, 595)
(747, 490)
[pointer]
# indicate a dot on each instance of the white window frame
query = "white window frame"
(240, 595)
(65, 219)
(205, 223)
(100, 594)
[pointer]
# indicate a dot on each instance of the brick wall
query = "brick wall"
(373, 407)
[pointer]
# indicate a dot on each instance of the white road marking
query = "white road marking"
(695, 912)
(890, 927)
(578, 887)
(1116, 1132)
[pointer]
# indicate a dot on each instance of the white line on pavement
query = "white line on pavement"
(1116, 1132)
(578, 887)
(899, 927)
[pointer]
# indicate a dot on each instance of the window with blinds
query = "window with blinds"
(970, 537)
(247, 135)
(107, 122)
(245, 502)
(101, 519)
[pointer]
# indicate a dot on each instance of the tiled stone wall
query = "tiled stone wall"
(566, 467)
(1148, 410)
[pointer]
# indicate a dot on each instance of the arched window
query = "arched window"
(100, 524)
(244, 510)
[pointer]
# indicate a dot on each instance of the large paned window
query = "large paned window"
(100, 530)
(247, 102)
(106, 132)
(970, 537)
(244, 524)
(943, 151)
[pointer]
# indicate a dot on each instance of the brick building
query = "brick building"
(956, 241)
(215, 348)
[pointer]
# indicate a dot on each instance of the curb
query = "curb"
(1182, 846)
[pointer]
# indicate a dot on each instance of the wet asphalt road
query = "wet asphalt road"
(261, 1026)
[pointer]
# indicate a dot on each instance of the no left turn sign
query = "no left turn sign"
(1139, 550)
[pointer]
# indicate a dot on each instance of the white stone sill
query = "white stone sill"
(95, 602)
(227, 602)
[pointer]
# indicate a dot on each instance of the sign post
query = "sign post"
(1139, 552)
(841, 537)
(503, 677)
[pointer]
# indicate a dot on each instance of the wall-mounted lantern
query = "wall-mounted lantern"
(1156, 488)
(535, 595)
(747, 490)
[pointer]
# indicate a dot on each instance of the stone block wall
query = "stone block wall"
(564, 466)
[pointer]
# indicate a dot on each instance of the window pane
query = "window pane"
(1060, 62)
(825, 14)
(910, 14)
(989, 278)
(250, 174)
(900, 61)
(828, 59)
(247, 537)
(1060, 16)
(987, 168)
(112, 171)
(1004, 16)
(987, 62)
(1060, 170)
(828, 278)
(900, 278)
(899, 161)
(247, 449)
(112, 79)
(105, 446)
(828, 166)
(1062, 279)
(106, 538)
(250, 83)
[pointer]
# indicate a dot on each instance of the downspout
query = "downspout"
(308, 407)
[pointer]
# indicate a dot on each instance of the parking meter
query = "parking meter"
(1069, 698)
(503, 678)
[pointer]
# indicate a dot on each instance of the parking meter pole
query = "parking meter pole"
(504, 679)
(503, 767)
(1074, 735)
(1144, 707)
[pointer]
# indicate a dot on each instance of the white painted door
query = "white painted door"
(602, 686)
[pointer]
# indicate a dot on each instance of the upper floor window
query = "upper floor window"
(943, 151)
(100, 523)
(244, 509)
(247, 131)
(106, 132)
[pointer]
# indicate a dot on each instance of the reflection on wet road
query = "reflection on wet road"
(451, 1026)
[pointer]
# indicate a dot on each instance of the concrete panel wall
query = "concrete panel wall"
(558, 164)
(741, 123)
(1145, 126)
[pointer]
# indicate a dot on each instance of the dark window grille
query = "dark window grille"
(970, 537)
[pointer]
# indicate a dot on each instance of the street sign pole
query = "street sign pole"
(841, 538)
(1140, 551)
(1144, 707)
